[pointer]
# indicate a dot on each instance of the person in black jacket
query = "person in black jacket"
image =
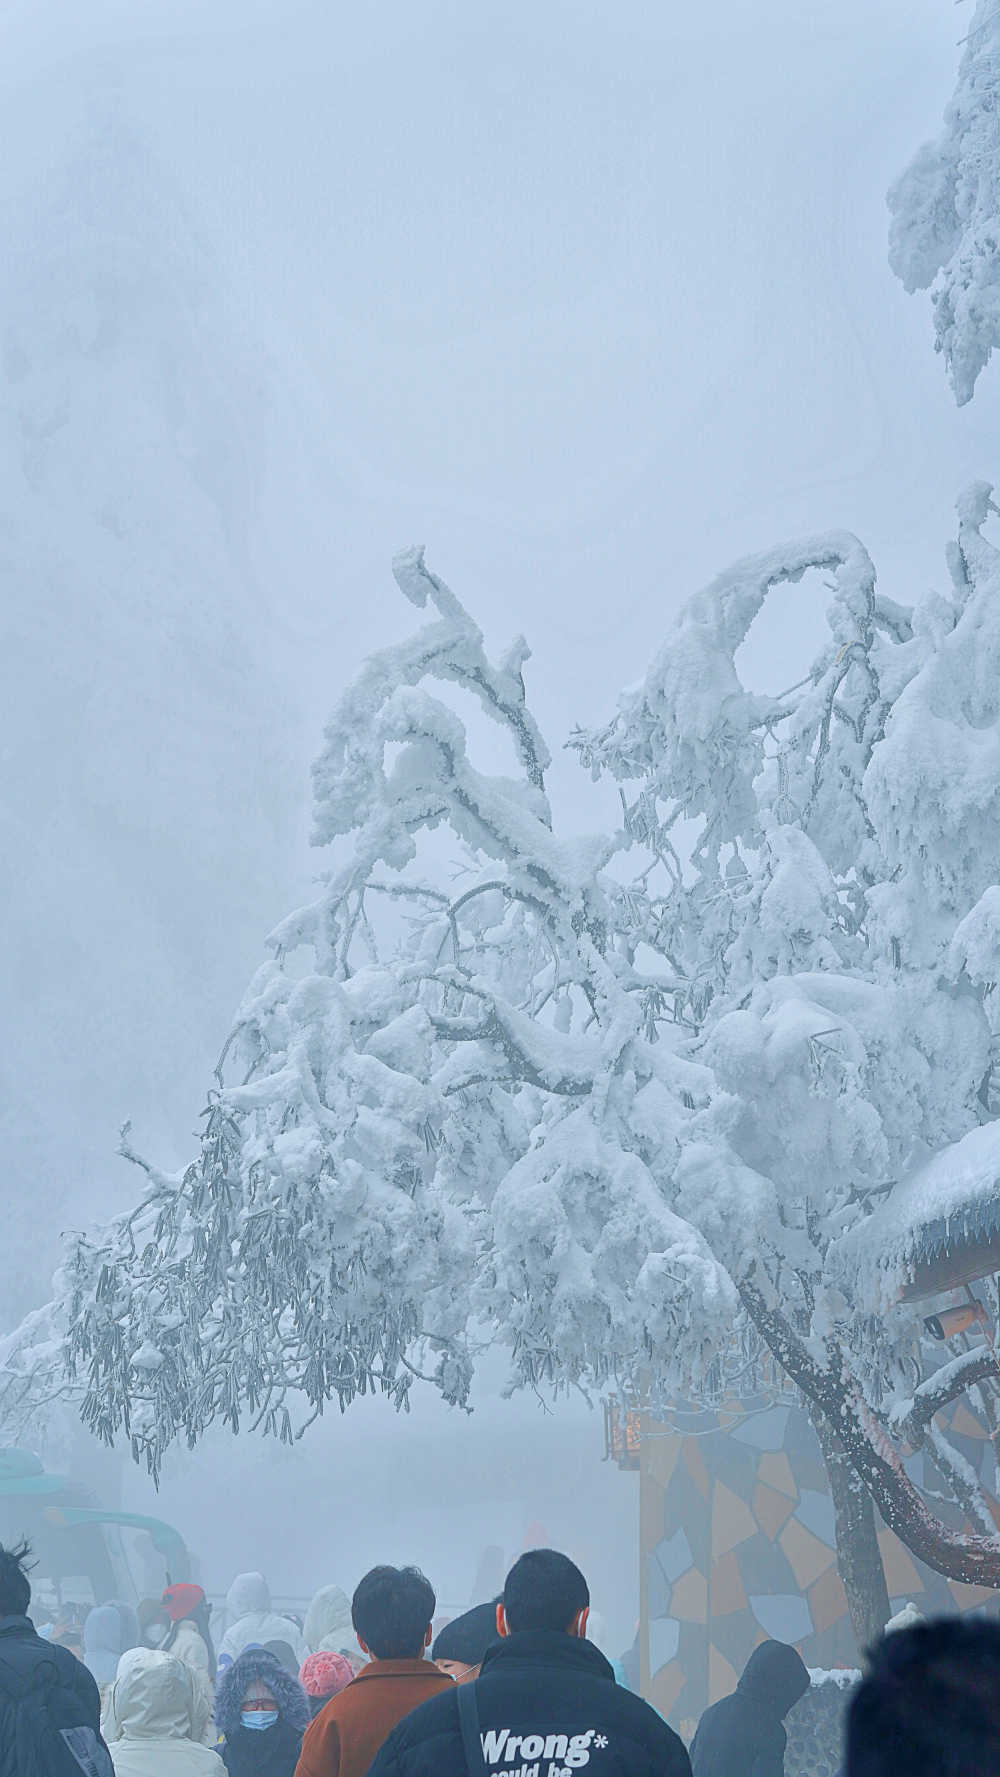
(929, 1703)
(262, 1712)
(743, 1736)
(545, 1704)
(50, 1706)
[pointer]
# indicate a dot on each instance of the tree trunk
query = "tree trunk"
(859, 1557)
(959, 1554)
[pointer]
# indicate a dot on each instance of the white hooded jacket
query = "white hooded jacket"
(329, 1628)
(249, 1614)
(155, 1720)
(189, 1646)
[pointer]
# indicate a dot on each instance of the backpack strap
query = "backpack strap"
(15, 1682)
(468, 1721)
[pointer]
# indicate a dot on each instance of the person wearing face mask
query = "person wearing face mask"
(461, 1646)
(154, 1623)
(262, 1713)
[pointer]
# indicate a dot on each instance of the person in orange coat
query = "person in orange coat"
(391, 1612)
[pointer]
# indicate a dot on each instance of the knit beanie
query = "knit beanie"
(182, 1601)
(466, 1638)
(323, 1675)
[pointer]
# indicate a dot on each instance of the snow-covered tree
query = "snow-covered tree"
(625, 1104)
(945, 209)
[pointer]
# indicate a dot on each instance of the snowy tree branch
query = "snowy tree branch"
(946, 1385)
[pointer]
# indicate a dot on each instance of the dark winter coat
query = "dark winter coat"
(22, 1651)
(743, 1735)
(543, 1698)
(247, 1752)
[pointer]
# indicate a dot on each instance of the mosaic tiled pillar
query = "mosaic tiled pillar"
(738, 1544)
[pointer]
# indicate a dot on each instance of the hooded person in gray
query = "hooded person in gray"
(328, 1626)
(743, 1735)
(109, 1631)
(251, 1620)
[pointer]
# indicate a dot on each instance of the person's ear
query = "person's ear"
(503, 1627)
(578, 1626)
(429, 1637)
(365, 1649)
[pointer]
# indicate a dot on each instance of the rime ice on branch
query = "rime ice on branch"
(607, 1100)
(943, 234)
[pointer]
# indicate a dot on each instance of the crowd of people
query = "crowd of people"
(511, 1688)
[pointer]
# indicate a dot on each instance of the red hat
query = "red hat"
(324, 1674)
(182, 1601)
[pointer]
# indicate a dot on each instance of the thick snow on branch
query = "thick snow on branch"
(943, 233)
(616, 1101)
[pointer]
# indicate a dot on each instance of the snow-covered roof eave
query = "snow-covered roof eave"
(938, 1228)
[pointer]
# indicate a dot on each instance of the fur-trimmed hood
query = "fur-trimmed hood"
(256, 1662)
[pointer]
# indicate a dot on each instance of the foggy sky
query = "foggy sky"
(590, 299)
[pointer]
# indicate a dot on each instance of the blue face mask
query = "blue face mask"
(259, 1718)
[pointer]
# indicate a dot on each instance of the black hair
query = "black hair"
(544, 1590)
(929, 1704)
(15, 1591)
(392, 1610)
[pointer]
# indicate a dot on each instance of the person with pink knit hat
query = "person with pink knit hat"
(325, 1675)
